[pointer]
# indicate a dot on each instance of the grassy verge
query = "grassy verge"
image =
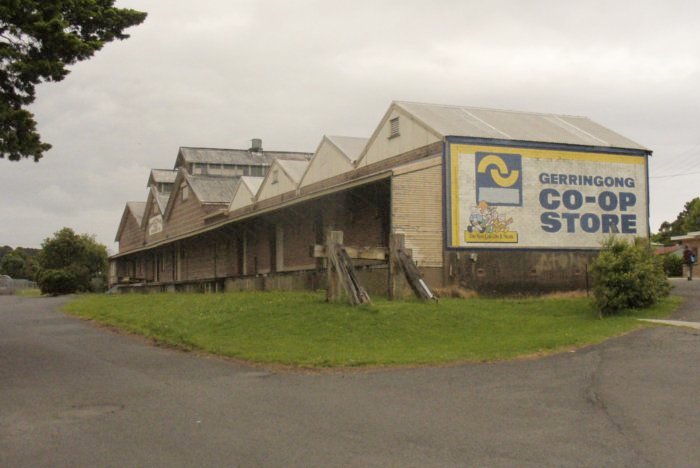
(28, 292)
(296, 328)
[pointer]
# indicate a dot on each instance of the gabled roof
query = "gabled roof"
(212, 189)
(293, 169)
(292, 172)
(207, 189)
(513, 125)
(246, 187)
(233, 156)
(325, 164)
(351, 147)
(164, 176)
(133, 209)
(253, 183)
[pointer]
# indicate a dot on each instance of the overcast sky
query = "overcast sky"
(221, 72)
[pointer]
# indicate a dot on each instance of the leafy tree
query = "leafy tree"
(12, 264)
(38, 39)
(69, 262)
(4, 250)
(18, 263)
(687, 220)
(627, 276)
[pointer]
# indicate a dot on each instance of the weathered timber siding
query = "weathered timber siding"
(417, 212)
(226, 256)
(258, 249)
(298, 235)
(198, 259)
(132, 235)
(186, 215)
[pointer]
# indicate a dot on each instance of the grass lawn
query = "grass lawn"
(301, 329)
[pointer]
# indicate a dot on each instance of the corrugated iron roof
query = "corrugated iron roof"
(213, 189)
(350, 146)
(234, 156)
(164, 176)
(514, 125)
(688, 236)
(294, 169)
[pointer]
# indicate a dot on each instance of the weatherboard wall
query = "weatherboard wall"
(186, 215)
(416, 200)
(132, 235)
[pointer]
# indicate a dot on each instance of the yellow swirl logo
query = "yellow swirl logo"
(499, 178)
(500, 174)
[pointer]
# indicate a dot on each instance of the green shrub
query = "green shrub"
(98, 284)
(627, 275)
(673, 265)
(55, 282)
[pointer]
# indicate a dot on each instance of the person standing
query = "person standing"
(689, 259)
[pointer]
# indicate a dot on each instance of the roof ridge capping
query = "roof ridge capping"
(247, 150)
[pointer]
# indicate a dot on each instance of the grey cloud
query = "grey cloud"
(288, 72)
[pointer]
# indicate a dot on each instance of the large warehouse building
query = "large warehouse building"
(489, 200)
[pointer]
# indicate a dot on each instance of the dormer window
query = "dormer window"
(275, 176)
(394, 127)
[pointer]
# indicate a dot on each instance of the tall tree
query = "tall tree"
(38, 39)
(72, 261)
(18, 263)
(687, 220)
(13, 264)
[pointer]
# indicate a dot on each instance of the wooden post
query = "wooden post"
(333, 239)
(397, 280)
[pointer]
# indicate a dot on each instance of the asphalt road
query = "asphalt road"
(72, 394)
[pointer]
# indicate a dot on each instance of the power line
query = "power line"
(674, 175)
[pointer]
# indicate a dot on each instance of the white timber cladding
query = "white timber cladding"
(411, 135)
(242, 197)
(416, 191)
(327, 162)
(271, 186)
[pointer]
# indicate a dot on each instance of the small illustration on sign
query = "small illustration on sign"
(487, 226)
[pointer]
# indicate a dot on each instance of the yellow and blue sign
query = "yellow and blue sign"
(499, 179)
(542, 196)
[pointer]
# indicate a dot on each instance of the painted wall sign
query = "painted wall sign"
(155, 225)
(516, 197)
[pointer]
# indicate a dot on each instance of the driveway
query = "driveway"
(72, 394)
